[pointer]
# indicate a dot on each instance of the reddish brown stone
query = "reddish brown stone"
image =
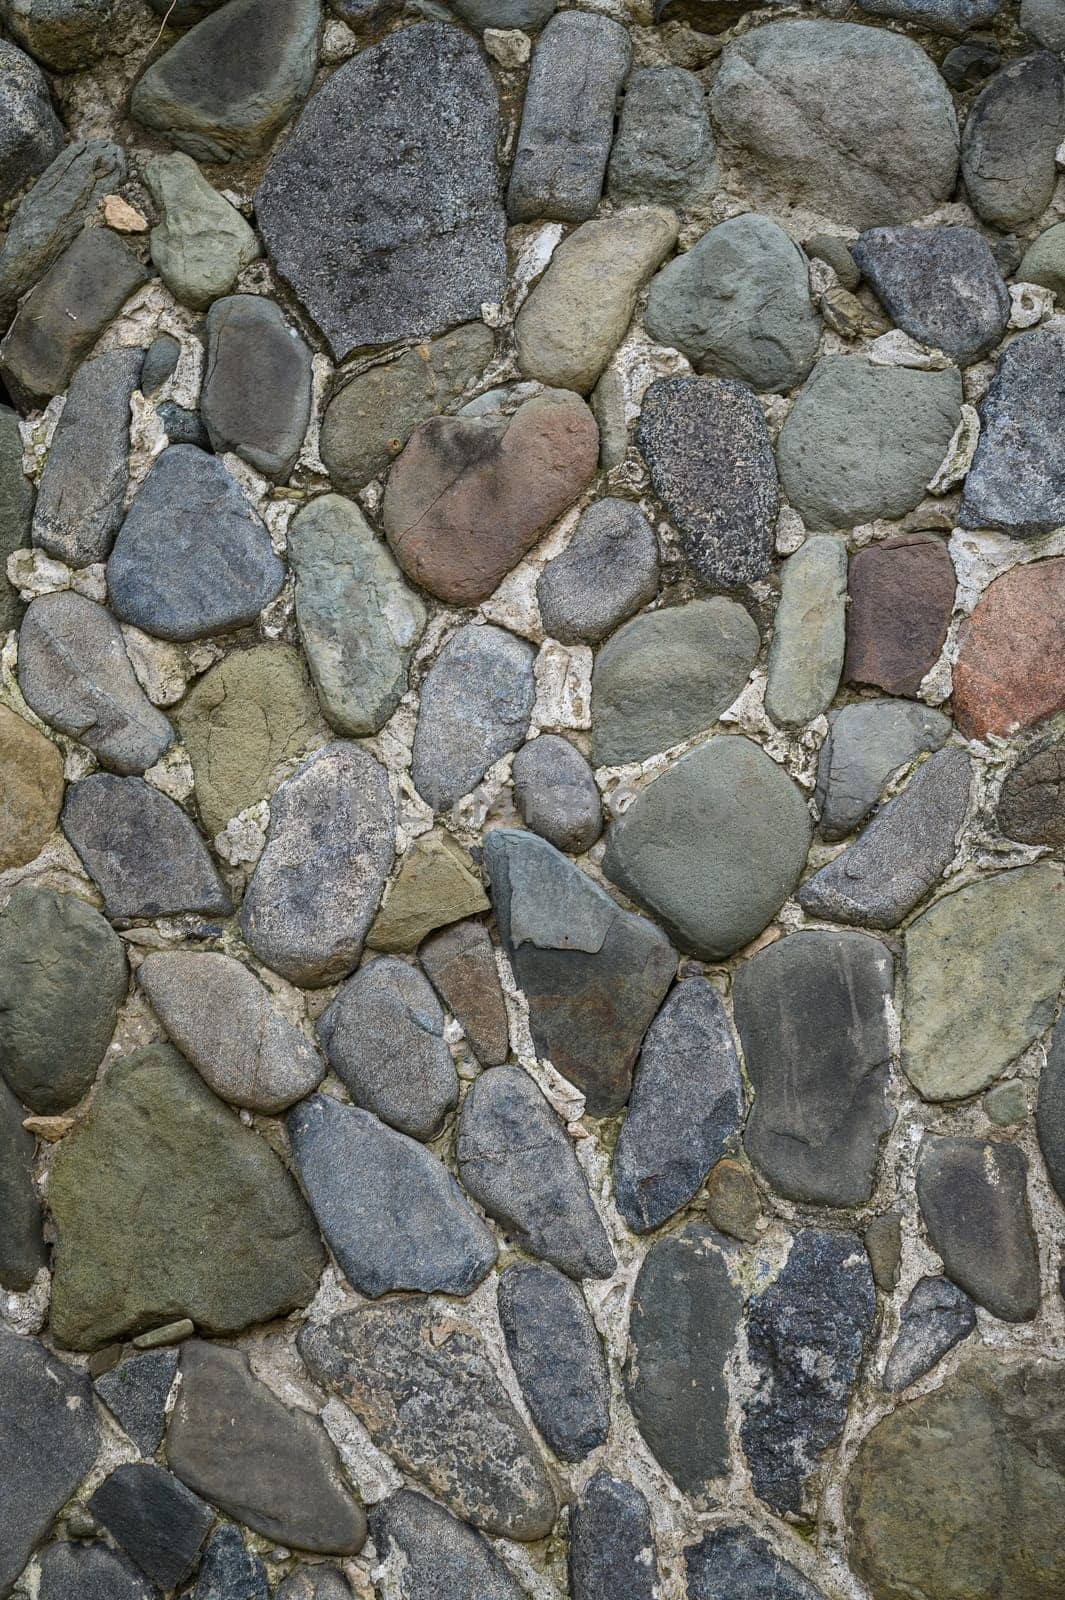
(1011, 659)
(901, 597)
(470, 495)
(460, 964)
(31, 790)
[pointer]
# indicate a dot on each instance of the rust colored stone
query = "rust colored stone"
(31, 790)
(901, 597)
(1011, 659)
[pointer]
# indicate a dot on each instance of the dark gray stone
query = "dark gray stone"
(429, 1554)
(608, 570)
(556, 792)
(529, 15)
(141, 850)
(460, 964)
(31, 134)
(682, 1330)
(89, 1572)
(968, 65)
(711, 463)
(155, 1519)
(415, 115)
(62, 34)
(316, 1582)
(1050, 1110)
(973, 1198)
(664, 150)
(61, 200)
(160, 361)
(516, 1159)
(1044, 21)
(941, 285)
(192, 558)
(557, 1358)
(732, 1562)
(935, 1318)
(685, 1111)
(256, 398)
(135, 1392)
(1017, 480)
(868, 742)
(567, 123)
(1011, 134)
(612, 1547)
(593, 975)
(16, 512)
(182, 426)
(228, 1572)
(952, 17)
(22, 1252)
(806, 1336)
(475, 706)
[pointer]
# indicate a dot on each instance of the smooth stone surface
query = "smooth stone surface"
(256, 398)
(556, 792)
(414, 115)
(738, 305)
(733, 1561)
(155, 1520)
(315, 889)
(427, 1553)
(612, 1547)
(1017, 479)
(192, 557)
(52, 213)
(557, 1358)
(809, 633)
(682, 1330)
(901, 593)
(228, 1572)
(475, 706)
(1044, 260)
(272, 1467)
(867, 742)
(465, 1442)
(90, 1571)
(31, 789)
(359, 622)
(685, 1111)
(983, 967)
(806, 1335)
(460, 964)
(667, 675)
(31, 135)
(222, 1019)
(1013, 129)
(136, 1391)
(663, 152)
(737, 831)
(608, 570)
(940, 285)
(733, 1204)
(567, 124)
(973, 1199)
(593, 975)
(711, 463)
(1006, 1103)
(75, 674)
(16, 512)
(200, 242)
(141, 850)
(436, 884)
(384, 1036)
(63, 977)
(836, 252)
(1050, 1110)
(1010, 671)
(518, 1162)
(936, 1317)
(22, 1251)
(862, 441)
(166, 1206)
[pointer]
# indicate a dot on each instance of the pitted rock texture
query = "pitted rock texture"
(557, 1358)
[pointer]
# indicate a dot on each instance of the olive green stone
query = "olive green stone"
(437, 885)
(1006, 1102)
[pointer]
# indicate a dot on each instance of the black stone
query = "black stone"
(611, 1545)
(156, 1520)
(314, 1583)
(732, 1562)
(228, 1571)
(90, 1572)
(1050, 1110)
(968, 65)
(941, 285)
(973, 1198)
(135, 1392)
(1017, 480)
(22, 1252)
(557, 1358)
(937, 1316)
(182, 426)
(433, 1554)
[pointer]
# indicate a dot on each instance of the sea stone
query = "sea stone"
(31, 790)
(166, 1206)
(608, 570)
(901, 594)
(423, 1552)
(31, 135)
(733, 1561)
(663, 152)
(476, 702)
(415, 115)
(1017, 481)
(867, 742)
(556, 792)
(22, 1251)
(200, 242)
(1010, 671)
(612, 1547)
(460, 964)
(557, 1358)
(136, 1392)
(936, 1317)
(592, 974)
(713, 847)
(90, 1571)
(155, 1519)
(1031, 804)
(316, 887)
(1050, 1110)
(809, 633)
(1013, 129)
(470, 495)
(940, 285)
(436, 884)
(256, 398)
(52, 213)
(16, 511)
(974, 1204)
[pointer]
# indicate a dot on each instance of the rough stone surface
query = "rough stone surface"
(31, 790)
(90, 1571)
(62, 34)
(460, 964)
(1017, 481)
(136, 1391)
(16, 512)
(937, 1316)
(973, 1200)
(940, 285)
(436, 885)
(952, 17)
(556, 793)
(435, 1553)
(1014, 126)
(1044, 22)
(317, 1582)
(1009, 672)
(608, 570)
(612, 1549)
(664, 148)
(557, 1358)
(867, 742)
(200, 242)
(1050, 1110)
(155, 1520)
(256, 398)
(733, 1561)
(22, 1252)
(53, 212)
(31, 134)
(901, 594)
(882, 1237)
(733, 1205)
(1043, 261)
(475, 707)
(809, 633)
(228, 1572)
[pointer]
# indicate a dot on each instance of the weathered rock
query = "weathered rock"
(868, 742)
(182, 426)
(31, 789)
(460, 964)
(854, 122)
(567, 124)
(316, 887)
(155, 1519)
(529, 15)
(940, 285)
(64, 196)
(973, 1200)
(664, 150)
(1013, 129)
(436, 885)
(1050, 1110)
(593, 975)
(836, 252)
(935, 1318)
(556, 792)
(192, 558)
(882, 1237)
(685, 1111)
(982, 972)
(475, 706)
(682, 1330)
(416, 116)
(16, 511)
(1044, 22)
(736, 831)
(22, 1252)
(166, 1206)
(141, 850)
(733, 1561)
(612, 1547)
(1017, 480)
(733, 1205)
(31, 135)
(806, 1335)
(160, 362)
(470, 495)
(317, 1582)
(200, 242)
(256, 398)
(557, 1358)
(358, 620)
(90, 1571)
(667, 675)
(862, 441)
(63, 34)
(136, 1391)
(952, 17)
(901, 593)
(428, 1553)
(968, 65)
(608, 570)
(1006, 1103)
(809, 633)
(465, 1441)
(228, 1572)
(63, 977)
(1010, 671)
(518, 1162)
(1043, 261)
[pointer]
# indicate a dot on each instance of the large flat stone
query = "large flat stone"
(31, 792)
(612, 1546)
(200, 242)
(973, 1198)
(1013, 129)
(22, 1251)
(557, 1358)
(90, 1571)
(429, 1553)
(809, 633)
(663, 152)
(940, 285)
(1017, 481)
(733, 1561)
(608, 570)
(52, 214)
(256, 398)
(936, 1317)
(1010, 671)
(437, 884)
(867, 742)
(155, 1519)
(31, 134)
(460, 964)
(475, 706)
(901, 594)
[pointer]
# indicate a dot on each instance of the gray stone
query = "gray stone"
(862, 441)
(49, 1438)
(160, 362)
(358, 620)
(1044, 21)
(682, 1331)
(608, 570)
(809, 633)
(667, 675)
(556, 792)
(222, 1019)
(427, 1553)
(853, 122)
(968, 65)
(200, 242)
(567, 124)
(192, 558)
(901, 855)
(974, 1204)
(806, 1336)
(317, 1582)
(463, 1439)
(941, 285)
(733, 1561)
(529, 15)
(1050, 1110)
(229, 84)
(868, 742)
(557, 1358)
(1044, 260)
(711, 463)
(663, 153)
(155, 1519)
(31, 134)
(22, 1252)
(317, 884)
(612, 1547)
(91, 1572)
(256, 398)
(228, 1572)
(182, 426)
(415, 115)
(936, 1317)
(62, 34)
(63, 977)
(475, 707)
(136, 1391)
(518, 1162)
(52, 213)
(882, 1237)
(593, 975)
(1013, 129)
(738, 305)
(460, 964)
(1006, 1103)
(812, 1013)
(16, 512)
(836, 253)
(384, 1036)
(952, 17)
(713, 847)
(1017, 480)
(686, 1107)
